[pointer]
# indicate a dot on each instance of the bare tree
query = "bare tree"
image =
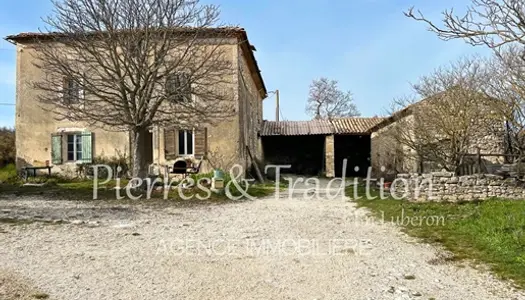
(327, 101)
(451, 121)
(493, 23)
(507, 83)
(500, 26)
(129, 65)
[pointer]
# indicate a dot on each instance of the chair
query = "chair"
(196, 170)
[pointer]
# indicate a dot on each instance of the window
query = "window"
(74, 147)
(186, 139)
(178, 87)
(72, 90)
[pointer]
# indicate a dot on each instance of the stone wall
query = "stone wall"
(329, 156)
(444, 186)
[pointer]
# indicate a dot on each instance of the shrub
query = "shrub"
(113, 162)
(7, 146)
(8, 174)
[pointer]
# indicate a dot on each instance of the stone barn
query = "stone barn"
(319, 147)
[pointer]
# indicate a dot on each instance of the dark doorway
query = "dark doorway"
(304, 152)
(148, 148)
(356, 149)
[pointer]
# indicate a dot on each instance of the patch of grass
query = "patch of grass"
(491, 231)
(61, 189)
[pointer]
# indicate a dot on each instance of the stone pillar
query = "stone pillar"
(329, 156)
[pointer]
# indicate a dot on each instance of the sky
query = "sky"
(369, 46)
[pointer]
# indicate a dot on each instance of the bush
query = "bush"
(8, 174)
(7, 146)
(113, 162)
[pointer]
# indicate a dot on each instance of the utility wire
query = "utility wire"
(281, 113)
(8, 104)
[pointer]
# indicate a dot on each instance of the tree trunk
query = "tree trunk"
(140, 167)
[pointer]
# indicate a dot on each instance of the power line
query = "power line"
(7, 104)
(281, 113)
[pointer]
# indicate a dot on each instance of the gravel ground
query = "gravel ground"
(265, 249)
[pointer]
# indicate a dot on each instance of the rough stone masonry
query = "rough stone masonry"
(445, 186)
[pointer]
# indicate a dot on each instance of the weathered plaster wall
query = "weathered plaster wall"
(251, 112)
(388, 154)
(34, 125)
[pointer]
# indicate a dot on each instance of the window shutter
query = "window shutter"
(186, 86)
(81, 91)
(170, 140)
(61, 88)
(201, 141)
(87, 147)
(56, 149)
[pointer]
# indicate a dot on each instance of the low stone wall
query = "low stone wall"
(443, 186)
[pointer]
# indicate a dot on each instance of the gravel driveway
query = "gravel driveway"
(265, 249)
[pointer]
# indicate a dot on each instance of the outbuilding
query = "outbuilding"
(319, 147)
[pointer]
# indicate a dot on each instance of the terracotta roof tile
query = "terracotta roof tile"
(320, 127)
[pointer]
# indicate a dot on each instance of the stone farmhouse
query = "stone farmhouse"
(316, 147)
(42, 139)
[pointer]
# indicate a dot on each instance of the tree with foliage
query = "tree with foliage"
(7, 146)
(130, 65)
(327, 101)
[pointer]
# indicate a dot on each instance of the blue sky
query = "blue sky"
(367, 45)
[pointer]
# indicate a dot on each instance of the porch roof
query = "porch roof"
(320, 127)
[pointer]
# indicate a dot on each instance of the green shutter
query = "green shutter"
(56, 149)
(87, 147)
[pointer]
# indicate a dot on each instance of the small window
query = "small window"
(74, 147)
(178, 87)
(185, 142)
(72, 90)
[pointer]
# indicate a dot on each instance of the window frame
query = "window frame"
(178, 93)
(72, 91)
(185, 142)
(75, 148)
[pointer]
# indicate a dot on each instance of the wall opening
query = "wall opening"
(304, 152)
(356, 149)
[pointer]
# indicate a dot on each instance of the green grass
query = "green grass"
(491, 231)
(8, 173)
(62, 189)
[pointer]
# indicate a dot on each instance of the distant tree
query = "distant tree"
(327, 101)
(129, 65)
(7, 146)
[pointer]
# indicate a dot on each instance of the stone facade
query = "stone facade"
(399, 155)
(329, 156)
(445, 186)
(36, 125)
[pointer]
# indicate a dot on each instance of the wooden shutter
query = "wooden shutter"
(170, 143)
(87, 147)
(81, 90)
(56, 149)
(201, 142)
(61, 88)
(184, 79)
